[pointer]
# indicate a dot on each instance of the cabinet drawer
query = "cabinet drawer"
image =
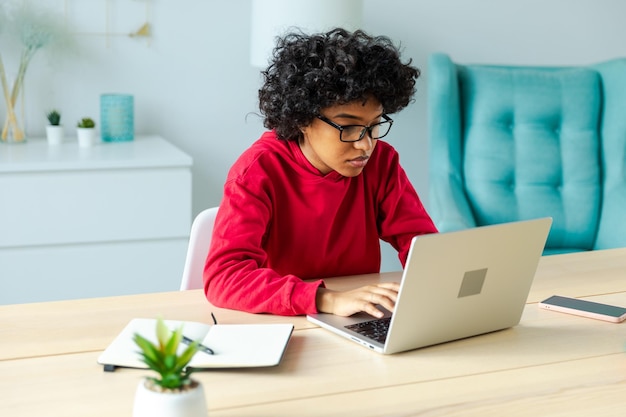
(68, 207)
(53, 273)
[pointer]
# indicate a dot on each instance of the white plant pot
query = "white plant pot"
(149, 403)
(86, 136)
(55, 134)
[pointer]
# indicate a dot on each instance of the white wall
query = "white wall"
(193, 83)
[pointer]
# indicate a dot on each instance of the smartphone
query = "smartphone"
(584, 308)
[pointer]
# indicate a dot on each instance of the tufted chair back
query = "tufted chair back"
(513, 143)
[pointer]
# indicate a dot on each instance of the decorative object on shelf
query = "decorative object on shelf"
(110, 26)
(30, 31)
(173, 393)
(117, 117)
(86, 132)
(54, 130)
(13, 126)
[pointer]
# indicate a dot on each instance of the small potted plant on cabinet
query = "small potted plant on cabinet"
(86, 132)
(54, 129)
(173, 393)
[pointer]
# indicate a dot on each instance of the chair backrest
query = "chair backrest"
(513, 143)
(198, 249)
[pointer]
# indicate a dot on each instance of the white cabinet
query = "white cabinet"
(86, 222)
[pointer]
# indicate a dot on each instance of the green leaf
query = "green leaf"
(154, 365)
(187, 354)
(172, 381)
(163, 333)
(169, 361)
(172, 345)
(147, 347)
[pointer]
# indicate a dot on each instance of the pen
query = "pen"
(188, 341)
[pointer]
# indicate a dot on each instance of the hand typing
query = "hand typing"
(346, 303)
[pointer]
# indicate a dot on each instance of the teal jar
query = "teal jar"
(117, 119)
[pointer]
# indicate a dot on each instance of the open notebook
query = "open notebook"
(235, 345)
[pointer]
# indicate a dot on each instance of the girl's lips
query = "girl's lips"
(359, 162)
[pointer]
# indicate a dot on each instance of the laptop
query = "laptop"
(454, 285)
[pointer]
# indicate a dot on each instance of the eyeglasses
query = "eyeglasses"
(354, 133)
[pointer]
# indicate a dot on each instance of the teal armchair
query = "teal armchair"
(513, 143)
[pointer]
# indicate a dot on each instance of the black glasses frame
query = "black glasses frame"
(366, 129)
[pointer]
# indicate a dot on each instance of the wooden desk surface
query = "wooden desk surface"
(551, 363)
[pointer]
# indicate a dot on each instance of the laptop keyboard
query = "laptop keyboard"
(374, 329)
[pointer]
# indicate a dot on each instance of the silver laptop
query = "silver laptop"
(455, 285)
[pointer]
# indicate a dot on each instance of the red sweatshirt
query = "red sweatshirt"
(281, 221)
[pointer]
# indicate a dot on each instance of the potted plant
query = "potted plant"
(173, 393)
(86, 132)
(54, 129)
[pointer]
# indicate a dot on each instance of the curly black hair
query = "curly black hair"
(310, 72)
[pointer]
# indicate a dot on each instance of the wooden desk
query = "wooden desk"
(551, 363)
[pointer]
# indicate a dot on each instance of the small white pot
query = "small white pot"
(55, 134)
(86, 136)
(149, 403)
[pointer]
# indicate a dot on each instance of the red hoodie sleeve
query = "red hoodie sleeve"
(235, 274)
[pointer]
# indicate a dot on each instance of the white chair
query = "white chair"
(199, 242)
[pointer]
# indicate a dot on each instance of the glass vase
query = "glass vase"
(117, 117)
(13, 123)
